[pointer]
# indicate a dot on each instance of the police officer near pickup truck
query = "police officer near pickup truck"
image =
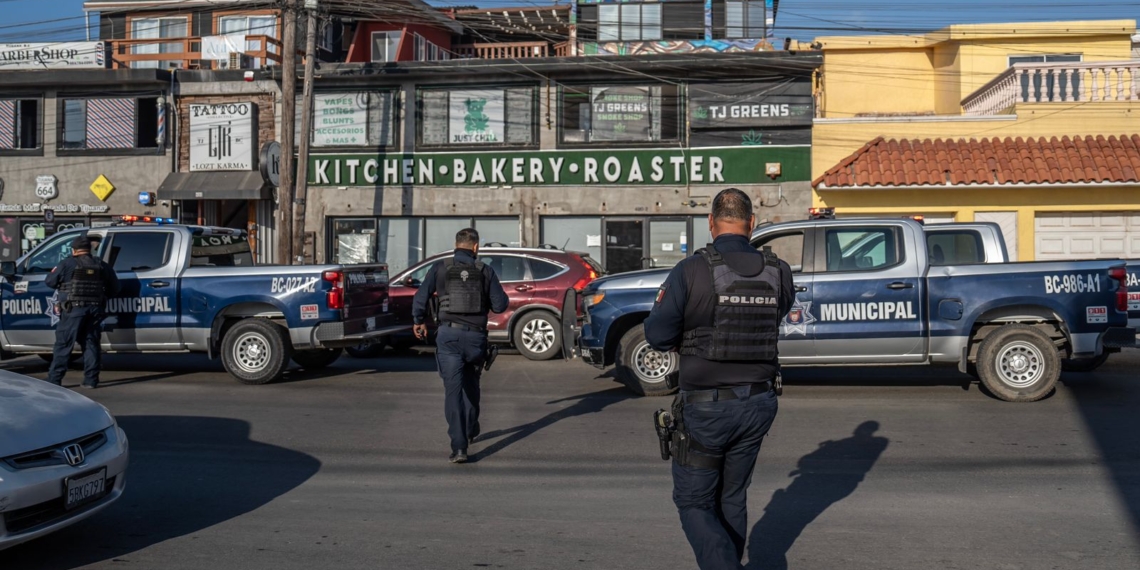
(84, 283)
(467, 289)
(721, 309)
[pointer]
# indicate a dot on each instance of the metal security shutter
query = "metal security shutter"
(1085, 235)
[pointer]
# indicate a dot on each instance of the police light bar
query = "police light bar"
(821, 213)
(129, 220)
(919, 218)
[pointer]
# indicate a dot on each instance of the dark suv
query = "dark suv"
(535, 279)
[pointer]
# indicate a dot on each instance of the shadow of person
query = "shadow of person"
(822, 478)
(186, 474)
(590, 403)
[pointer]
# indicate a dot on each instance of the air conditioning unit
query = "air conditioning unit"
(237, 61)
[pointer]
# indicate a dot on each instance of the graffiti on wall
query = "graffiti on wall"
(677, 46)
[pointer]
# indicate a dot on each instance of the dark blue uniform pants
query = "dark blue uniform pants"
(82, 325)
(714, 504)
(460, 355)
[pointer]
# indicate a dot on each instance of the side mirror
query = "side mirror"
(412, 282)
(7, 269)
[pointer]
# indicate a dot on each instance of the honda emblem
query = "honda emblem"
(73, 454)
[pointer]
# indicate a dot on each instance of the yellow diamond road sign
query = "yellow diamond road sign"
(102, 188)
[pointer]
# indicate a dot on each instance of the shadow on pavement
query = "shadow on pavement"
(822, 478)
(583, 404)
(186, 474)
(1109, 400)
(936, 375)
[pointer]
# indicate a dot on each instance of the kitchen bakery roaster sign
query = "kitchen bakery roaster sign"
(743, 165)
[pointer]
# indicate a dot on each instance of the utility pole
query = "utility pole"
(288, 122)
(299, 204)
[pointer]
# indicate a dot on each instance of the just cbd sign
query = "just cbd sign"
(729, 165)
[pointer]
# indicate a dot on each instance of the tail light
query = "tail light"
(590, 276)
(335, 296)
(1120, 274)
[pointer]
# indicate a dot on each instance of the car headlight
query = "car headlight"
(593, 298)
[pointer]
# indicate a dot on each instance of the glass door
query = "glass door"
(667, 241)
(625, 246)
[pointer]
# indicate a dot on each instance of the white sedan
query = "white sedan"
(63, 458)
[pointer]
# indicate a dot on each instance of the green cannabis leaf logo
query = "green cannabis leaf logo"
(700, 113)
(752, 138)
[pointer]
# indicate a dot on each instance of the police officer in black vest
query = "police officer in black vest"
(467, 290)
(721, 309)
(84, 283)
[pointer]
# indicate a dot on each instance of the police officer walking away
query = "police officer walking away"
(721, 309)
(467, 289)
(84, 283)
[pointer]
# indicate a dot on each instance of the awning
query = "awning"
(244, 185)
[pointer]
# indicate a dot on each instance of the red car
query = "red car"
(535, 279)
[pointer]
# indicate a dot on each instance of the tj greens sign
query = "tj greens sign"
(750, 105)
(745, 165)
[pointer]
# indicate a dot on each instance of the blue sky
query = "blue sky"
(29, 21)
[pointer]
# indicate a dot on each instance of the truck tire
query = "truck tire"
(316, 359)
(366, 350)
(643, 369)
(1083, 364)
(255, 351)
(1019, 363)
(538, 335)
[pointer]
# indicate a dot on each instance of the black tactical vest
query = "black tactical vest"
(746, 318)
(462, 291)
(86, 285)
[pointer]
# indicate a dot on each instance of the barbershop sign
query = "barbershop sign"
(670, 167)
(55, 55)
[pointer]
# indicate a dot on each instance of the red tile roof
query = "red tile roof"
(993, 162)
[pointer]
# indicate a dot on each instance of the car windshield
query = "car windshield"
(220, 251)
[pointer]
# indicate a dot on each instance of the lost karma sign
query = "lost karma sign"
(222, 136)
(744, 165)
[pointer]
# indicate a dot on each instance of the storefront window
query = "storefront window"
(667, 239)
(701, 235)
(401, 243)
(620, 113)
(628, 243)
(354, 241)
(574, 234)
(441, 232)
(477, 117)
(353, 119)
(499, 230)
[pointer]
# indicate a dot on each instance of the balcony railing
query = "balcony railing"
(505, 50)
(1056, 83)
(186, 53)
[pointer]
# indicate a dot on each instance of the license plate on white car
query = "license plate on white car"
(80, 490)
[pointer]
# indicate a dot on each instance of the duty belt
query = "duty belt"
(464, 327)
(716, 394)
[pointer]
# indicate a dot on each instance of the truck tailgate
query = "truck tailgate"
(366, 298)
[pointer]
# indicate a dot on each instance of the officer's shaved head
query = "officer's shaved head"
(731, 213)
(467, 238)
(732, 205)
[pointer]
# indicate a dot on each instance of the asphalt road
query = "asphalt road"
(347, 469)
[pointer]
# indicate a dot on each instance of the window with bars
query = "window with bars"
(19, 124)
(629, 22)
(114, 123)
(477, 117)
(744, 19)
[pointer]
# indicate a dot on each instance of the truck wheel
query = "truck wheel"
(365, 350)
(255, 351)
(316, 359)
(538, 335)
(643, 369)
(1019, 363)
(1083, 364)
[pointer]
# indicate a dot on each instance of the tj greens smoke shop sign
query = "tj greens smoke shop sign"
(744, 165)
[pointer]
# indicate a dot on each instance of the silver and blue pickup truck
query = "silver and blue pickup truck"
(196, 289)
(893, 292)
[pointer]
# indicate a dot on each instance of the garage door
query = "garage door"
(1084, 235)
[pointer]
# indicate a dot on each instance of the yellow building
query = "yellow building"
(1045, 94)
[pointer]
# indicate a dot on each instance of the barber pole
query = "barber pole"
(161, 138)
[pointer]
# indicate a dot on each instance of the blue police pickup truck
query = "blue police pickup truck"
(890, 292)
(196, 289)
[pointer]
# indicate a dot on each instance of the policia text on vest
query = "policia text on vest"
(721, 310)
(467, 289)
(84, 283)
